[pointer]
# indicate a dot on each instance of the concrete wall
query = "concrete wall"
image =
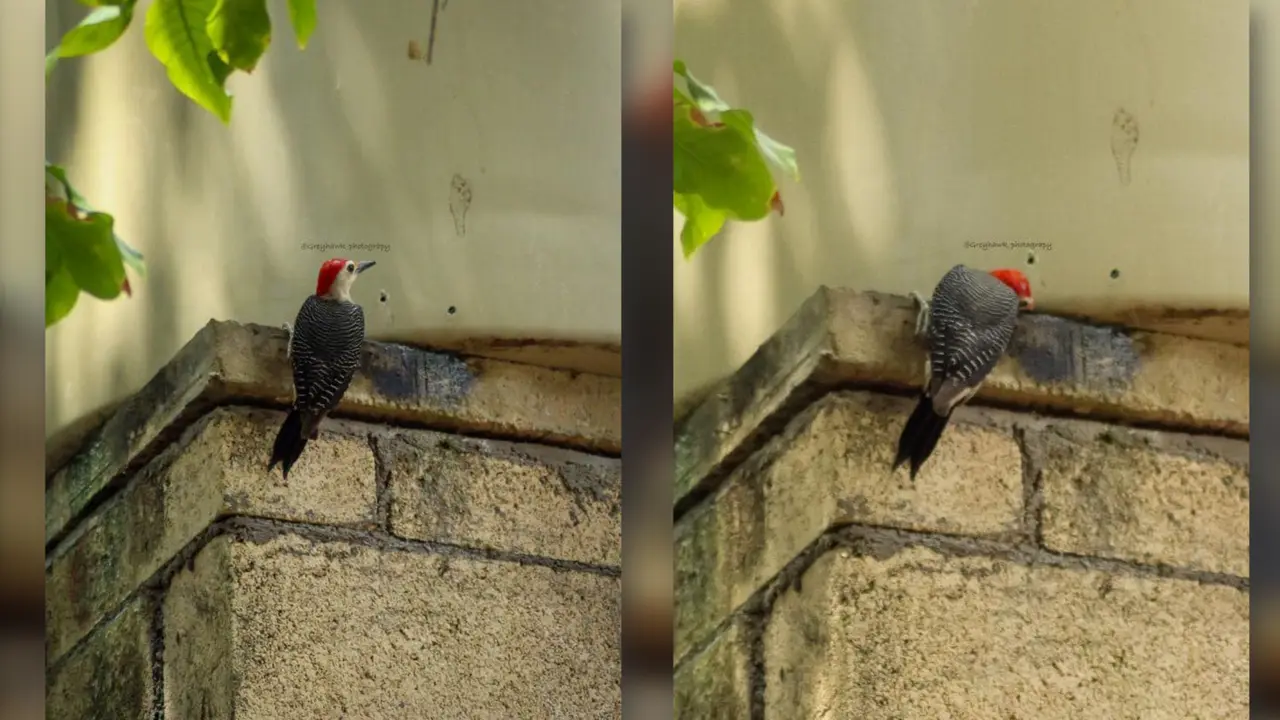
(1050, 560)
(398, 573)
(921, 126)
(350, 141)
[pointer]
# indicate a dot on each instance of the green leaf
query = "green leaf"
(722, 164)
(701, 223)
(302, 15)
(240, 31)
(178, 37)
(50, 62)
(60, 295)
(782, 156)
(221, 70)
(97, 31)
(60, 289)
(703, 95)
(87, 248)
(58, 174)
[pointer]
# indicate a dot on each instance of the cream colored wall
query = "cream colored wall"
(922, 125)
(350, 141)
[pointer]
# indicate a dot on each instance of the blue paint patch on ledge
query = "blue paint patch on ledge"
(1056, 350)
(406, 374)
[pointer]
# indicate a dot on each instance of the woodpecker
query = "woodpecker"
(968, 326)
(324, 348)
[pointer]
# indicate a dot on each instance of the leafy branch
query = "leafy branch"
(200, 43)
(721, 163)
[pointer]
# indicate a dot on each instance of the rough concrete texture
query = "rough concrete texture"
(919, 635)
(831, 466)
(716, 682)
(515, 497)
(1155, 498)
(217, 468)
(347, 630)
(842, 336)
(110, 675)
(228, 362)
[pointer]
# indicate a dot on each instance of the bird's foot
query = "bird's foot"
(922, 315)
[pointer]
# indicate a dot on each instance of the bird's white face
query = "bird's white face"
(341, 289)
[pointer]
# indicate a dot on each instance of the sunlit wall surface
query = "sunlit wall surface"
(487, 181)
(1109, 139)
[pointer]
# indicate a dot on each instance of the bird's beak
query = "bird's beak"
(1028, 303)
(361, 267)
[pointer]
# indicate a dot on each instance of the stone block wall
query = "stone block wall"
(1077, 547)
(449, 548)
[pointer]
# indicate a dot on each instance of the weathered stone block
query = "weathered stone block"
(841, 336)
(520, 498)
(716, 681)
(831, 466)
(218, 468)
(110, 674)
(316, 629)
(1158, 498)
(920, 635)
(227, 360)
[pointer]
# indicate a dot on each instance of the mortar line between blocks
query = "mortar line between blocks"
(863, 539)
(813, 390)
(257, 530)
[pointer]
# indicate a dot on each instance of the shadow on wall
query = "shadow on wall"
(775, 62)
(349, 141)
(301, 162)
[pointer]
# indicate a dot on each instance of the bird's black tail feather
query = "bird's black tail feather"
(290, 441)
(920, 435)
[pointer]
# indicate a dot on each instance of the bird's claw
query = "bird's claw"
(922, 314)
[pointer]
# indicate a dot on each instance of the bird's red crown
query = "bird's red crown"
(1016, 281)
(329, 272)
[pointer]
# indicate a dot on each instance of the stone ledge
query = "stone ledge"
(842, 337)
(915, 634)
(549, 498)
(306, 630)
(227, 362)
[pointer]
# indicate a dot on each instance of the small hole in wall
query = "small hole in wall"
(382, 297)
(1115, 273)
(452, 309)
(1031, 258)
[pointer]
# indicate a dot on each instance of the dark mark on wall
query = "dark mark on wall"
(405, 373)
(1124, 141)
(431, 39)
(459, 203)
(1053, 350)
